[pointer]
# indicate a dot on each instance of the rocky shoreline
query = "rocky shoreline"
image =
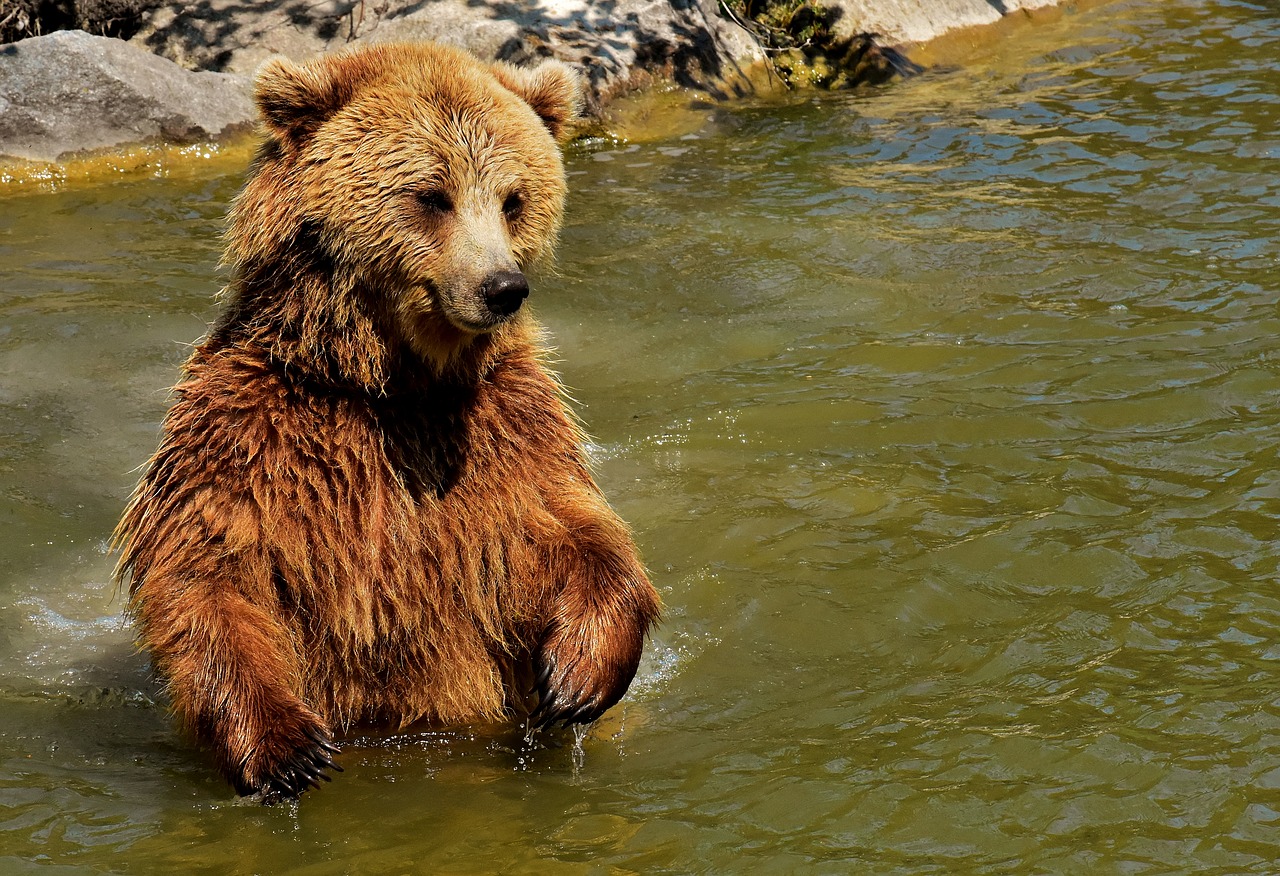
(184, 73)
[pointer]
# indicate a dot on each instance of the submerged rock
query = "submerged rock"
(71, 92)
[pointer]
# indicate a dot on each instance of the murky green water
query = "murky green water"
(947, 417)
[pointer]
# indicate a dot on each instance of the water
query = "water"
(946, 418)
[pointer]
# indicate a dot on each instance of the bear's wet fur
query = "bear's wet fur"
(370, 503)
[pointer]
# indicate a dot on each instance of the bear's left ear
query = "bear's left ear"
(553, 89)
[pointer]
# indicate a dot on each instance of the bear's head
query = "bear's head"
(401, 194)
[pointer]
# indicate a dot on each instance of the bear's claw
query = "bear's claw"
(302, 770)
(554, 703)
(571, 695)
(553, 709)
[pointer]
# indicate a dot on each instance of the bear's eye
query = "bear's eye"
(435, 201)
(513, 206)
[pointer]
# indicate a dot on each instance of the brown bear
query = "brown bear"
(370, 504)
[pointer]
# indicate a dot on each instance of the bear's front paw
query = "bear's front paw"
(287, 762)
(582, 672)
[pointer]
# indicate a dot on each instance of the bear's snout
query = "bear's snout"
(504, 292)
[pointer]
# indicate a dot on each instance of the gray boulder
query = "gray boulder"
(916, 21)
(70, 92)
(618, 44)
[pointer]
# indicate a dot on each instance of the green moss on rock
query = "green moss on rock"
(799, 39)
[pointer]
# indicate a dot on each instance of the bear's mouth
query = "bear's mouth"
(437, 322)
(476, 328)
(472, 324)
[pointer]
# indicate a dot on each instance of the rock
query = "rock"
(619, 45)
(916, 21)
(70, 92)
(20, 19)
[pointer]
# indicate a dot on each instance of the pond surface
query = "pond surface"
(947, 416)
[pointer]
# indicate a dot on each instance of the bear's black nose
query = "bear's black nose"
(504, 291)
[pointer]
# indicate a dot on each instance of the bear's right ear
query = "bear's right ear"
(295, 99)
